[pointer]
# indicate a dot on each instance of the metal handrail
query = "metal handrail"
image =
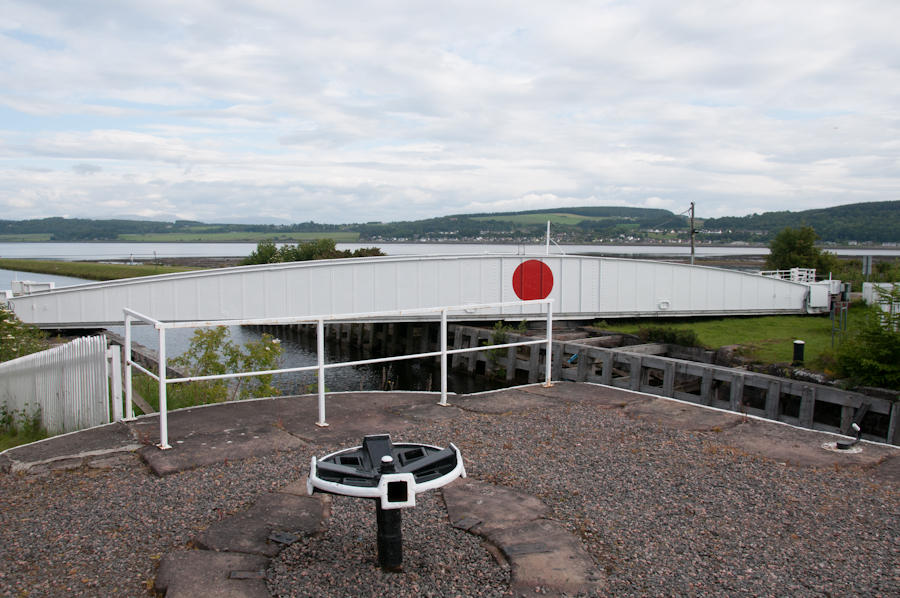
(321, 366)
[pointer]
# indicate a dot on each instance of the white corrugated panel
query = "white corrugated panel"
(583, 288)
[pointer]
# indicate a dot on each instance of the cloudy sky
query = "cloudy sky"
(346, 111)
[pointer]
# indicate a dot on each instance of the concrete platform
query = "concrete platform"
(211, 434)
(540, 552)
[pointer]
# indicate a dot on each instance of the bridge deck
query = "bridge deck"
(582, 288)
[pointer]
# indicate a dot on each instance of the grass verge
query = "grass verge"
(766, 339)
(88, 270)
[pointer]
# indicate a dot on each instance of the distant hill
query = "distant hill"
(873, 221)
(876, 222)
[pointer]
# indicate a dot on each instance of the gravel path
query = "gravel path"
(438, 560)
(663, 512)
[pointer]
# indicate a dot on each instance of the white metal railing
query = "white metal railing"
(794, 274)
(67, 383)
(320, 366)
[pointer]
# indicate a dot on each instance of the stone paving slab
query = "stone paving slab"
(426, 412)
(596, 394)
(507, 401)
(272, 512)
(803, 447)
(546, 560)
(85, 444)
(199, 450)
(494, 507)
(684, 416)
(201, 573)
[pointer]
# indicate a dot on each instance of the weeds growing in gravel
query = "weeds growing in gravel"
(20, 427)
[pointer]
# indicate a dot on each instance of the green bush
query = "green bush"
(317, 249)
(871, 355)
(213, 353)
(18, 339)
(671, 336)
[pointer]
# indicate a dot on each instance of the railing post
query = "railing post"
(129, 409)
(163, 408)
(320, 357)
(549, 357)
(444, 357)
(115, 372)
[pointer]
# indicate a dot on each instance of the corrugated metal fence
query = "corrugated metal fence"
(68, 383)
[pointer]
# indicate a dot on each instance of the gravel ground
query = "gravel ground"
(663, 513)
(438, 560)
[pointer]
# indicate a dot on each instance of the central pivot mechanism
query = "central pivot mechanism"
(391, 474)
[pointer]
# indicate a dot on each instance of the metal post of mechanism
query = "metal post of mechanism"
(548, 237)
(692, 233)
(390, 529)
(320, 357)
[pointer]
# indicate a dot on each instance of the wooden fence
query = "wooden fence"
(68, 384)
(643, 368)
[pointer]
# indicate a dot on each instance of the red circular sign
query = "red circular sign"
(532, 280)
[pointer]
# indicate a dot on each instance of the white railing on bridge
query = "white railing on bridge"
(67, 383)
(321, 366)
(793, 275)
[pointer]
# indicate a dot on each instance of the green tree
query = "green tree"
(317, 249)
(266, 253)
(871, 357)
(796, 248)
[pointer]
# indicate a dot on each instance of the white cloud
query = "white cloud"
(84, 169)
(335, 113)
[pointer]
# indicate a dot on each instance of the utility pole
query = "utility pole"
(692, 233)
(548, 237)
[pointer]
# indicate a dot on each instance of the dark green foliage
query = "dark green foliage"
(796, 248)
(850, 270)
(871, 221)
(671, 336)
(871, 356)
(499, 337)
(319, 249)
(213, 353)
(18, 339)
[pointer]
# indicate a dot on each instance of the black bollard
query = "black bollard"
(390, 537)
(798, 352)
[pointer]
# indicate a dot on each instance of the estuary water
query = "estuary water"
(147, 252)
